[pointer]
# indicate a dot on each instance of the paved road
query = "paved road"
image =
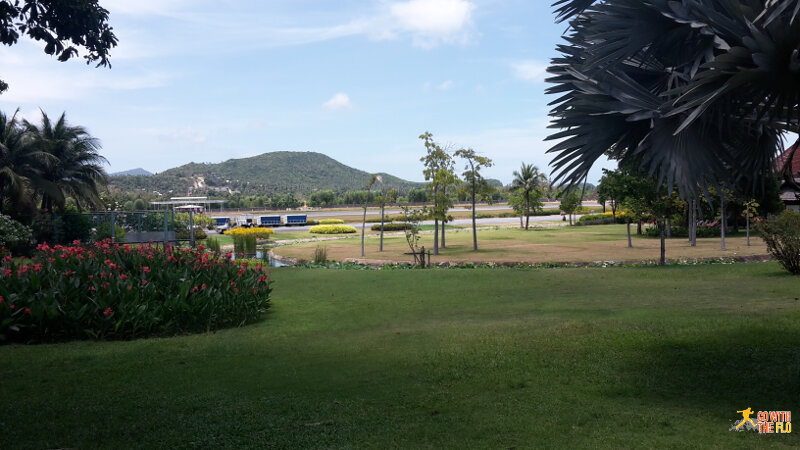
(480, 222)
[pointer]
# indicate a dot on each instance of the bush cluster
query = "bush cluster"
(258, 232)
(330, 221)
(601, 219)
(332, 229)
(782, 235)
(681, 231)
(13, 233)
(395, 226)
(108, 291)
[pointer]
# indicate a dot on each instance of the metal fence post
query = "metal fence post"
(191, 228)
(113, 234)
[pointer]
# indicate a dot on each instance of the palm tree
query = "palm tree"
(698, 93)
(527, 180)
(21, 165)
(75, 168)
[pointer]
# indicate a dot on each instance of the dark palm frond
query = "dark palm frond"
(696, 92)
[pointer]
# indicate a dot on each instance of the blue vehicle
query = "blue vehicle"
(299, 219)
(270, 221)
(222, 223)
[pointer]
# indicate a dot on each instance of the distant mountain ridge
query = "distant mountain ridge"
(283, 172)
(137, 171)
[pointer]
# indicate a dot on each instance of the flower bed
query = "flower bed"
(330, 221)
(332, 229)
(108, 291)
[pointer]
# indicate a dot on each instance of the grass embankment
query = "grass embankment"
(559, 244)
(558, 358)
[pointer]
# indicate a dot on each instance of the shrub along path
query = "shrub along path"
(484, 358)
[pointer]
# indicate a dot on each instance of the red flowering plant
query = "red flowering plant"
(112, 291)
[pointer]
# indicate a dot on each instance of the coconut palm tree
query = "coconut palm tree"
(698, 93)
(21, 165)
(75, 167)
(527, 180)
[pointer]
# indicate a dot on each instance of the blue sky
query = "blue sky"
(206, 81)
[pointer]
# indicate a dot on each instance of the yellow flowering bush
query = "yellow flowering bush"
(332, 229)
(259, 233)
(330, 221)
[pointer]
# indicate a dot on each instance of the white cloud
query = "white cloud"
(445, 86)
(433, 22)
(533, 71)
(338, 101)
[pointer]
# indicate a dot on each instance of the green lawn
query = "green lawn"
(504, 358)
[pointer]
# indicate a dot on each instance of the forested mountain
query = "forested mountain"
(137, 171)
(299, 173)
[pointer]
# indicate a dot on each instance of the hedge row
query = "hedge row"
(332, 229)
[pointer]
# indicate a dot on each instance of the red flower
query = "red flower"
(255, 291)
(68, 273)
(6, 272)
(2, 299)
(51, 260)
(27, 310)
(146, 269)
(233, 283)
(108, 312)
(203, 286)
(91, 276)
(129, 288)
(144, 282)
(123, 277)
(37, 267)
(12, 306)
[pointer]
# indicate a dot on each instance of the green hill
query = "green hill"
(298, 173)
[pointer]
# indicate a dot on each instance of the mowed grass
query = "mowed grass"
(537, 245)
(504, 358)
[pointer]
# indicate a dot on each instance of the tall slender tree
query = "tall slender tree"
(370, 183)
(476, 182)
(438, 173)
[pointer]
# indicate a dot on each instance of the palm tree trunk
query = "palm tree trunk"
(663, 260)
(723, 222)
(383, 207)
(748, 224)
(527, 209)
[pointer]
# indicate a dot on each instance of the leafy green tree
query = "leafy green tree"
(612, 187)
(697, 93)
(75, 168)
(439, 175)
(370, 183)
(528, 179)
(477, 184)
(570, 203)
(63, 27)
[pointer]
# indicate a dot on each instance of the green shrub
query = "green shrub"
(199, 234)
(681, 231)
(103, 232)
(320, 255)
(332, 229)
(12, 233)
(213, 244)
(782, 235)
(484, 216)
(244, 244)
(600, 219)
(108, 291)
(395, 226)
(330, 221)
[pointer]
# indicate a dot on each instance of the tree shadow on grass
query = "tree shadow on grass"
(755, 366)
